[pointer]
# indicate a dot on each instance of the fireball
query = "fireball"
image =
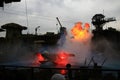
(62, 57)
(81, 33)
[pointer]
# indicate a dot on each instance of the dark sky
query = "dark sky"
(44, 12)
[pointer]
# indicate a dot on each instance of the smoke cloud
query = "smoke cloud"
(104, 49)
(79, 44)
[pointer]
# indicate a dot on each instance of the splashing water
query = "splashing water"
(73, 50)
(79, 44)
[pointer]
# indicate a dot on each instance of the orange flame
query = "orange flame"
(40, 57)
(79, 32)
(62, 58)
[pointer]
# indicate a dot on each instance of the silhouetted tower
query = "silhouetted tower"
(13, 30)
(2, 2)
(99, 21)
(1, 30)
(62, 29)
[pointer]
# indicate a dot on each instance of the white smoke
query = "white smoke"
(81, 49)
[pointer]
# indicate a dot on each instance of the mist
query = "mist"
(81, 48)
(104, 49)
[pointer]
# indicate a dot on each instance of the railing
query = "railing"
(8, 72)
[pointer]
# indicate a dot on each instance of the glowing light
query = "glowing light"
(80, 33)
(62, 58)
(40, 57)
(63, 72)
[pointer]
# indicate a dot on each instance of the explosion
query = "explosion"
(62, 57)
(70, 52)
(39, 58)
(81, 33)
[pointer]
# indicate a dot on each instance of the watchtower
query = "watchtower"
(99, 20)
(13, 30)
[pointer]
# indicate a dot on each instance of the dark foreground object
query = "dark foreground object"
(38, 73)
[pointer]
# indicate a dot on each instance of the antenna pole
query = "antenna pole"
(26, 12)
(103, 11)
(58, 21)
